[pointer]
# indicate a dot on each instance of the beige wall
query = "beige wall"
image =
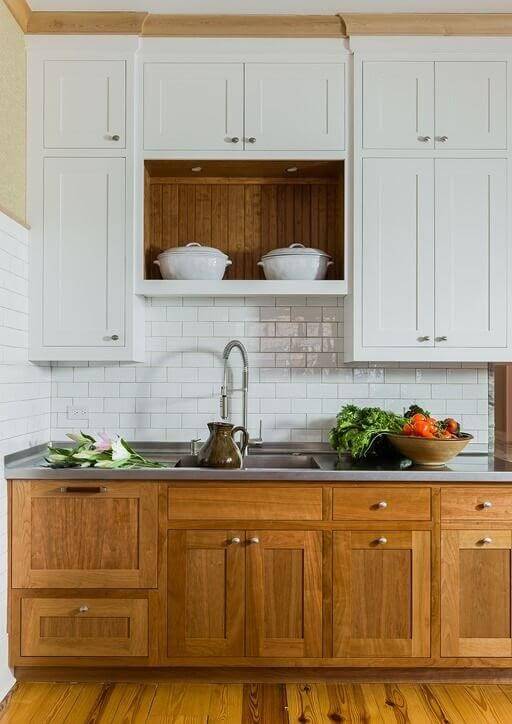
(12, 116)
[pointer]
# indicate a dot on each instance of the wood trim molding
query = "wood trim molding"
(428, 24)
(77, 23)
(20, 12)
(244, 26)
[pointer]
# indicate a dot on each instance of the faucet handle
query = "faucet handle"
(223, 403)
(258, 441)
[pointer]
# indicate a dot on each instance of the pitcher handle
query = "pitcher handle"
(245, 437)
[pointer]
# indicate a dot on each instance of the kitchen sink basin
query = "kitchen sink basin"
(263, 462)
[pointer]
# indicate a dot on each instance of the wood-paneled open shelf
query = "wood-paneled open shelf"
(245, 208)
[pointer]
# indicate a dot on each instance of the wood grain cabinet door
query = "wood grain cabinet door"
(476, 589)
(381, 596)
(84, 534)
(284, 593)
(206, 591)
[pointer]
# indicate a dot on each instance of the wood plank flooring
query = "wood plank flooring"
(178, 703)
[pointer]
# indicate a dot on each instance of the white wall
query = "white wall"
(24, 391)
(298, 379)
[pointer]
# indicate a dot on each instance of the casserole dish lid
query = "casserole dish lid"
(193, 248)
(295, 250)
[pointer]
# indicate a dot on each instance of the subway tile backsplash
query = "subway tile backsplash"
(298, 378)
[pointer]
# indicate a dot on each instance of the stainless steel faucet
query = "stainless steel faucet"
(224, 413)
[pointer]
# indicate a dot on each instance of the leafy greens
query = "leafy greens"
(360, 431)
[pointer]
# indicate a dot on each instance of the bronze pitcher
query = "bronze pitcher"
(221, 450)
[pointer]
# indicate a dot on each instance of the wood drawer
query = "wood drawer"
(478, 503)
(84, 627)
(381, 504)
(244, 503)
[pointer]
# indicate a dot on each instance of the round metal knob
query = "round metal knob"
(382, 540)
(254, 540)
(424, 139)
(235, 139)
(486, 540)
(83, 609)
(251, 139)
(442, 139)
(235, 541)
(486, 504)
(424, 338)
(115, 137)
(382, 504)
(443, 338)
(115, 337)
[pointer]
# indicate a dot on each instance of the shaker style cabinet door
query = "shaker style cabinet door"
(291, 106)
(206, 593)
(471, 105)
(381, 593)
(471, 253)
(84, 252)
(476, 591)
(398, 252)
(193, 106)
(398, 105)
(84, 104)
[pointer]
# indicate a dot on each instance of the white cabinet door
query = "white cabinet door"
(471, 253)
(84, 252)
(398, 104)
(193, 106)
(84, 104)
(398, 252)
(471, 105)
(294, 106)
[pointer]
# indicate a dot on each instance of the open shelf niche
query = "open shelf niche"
(245, 208)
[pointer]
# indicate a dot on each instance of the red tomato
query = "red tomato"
(418, 417)
(408, 429)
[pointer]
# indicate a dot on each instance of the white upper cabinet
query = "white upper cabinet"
(471, 105)
(193, 106)
(83, 293)
(471, 253)
(84, 104)
(294, 106)
(398, 252)
(443, 105)
(398, 109)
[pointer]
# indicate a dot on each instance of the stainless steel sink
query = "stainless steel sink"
(263, 462)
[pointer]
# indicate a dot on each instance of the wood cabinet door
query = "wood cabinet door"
(206, 593)
(84, 253)
(284, 593)
(294, 106)
(84, 534)
(471, 105)
(398, 224)
(381, 593)
(476, 590)
(398, 104)
(84, 104)
(193, 106)
(471, 253)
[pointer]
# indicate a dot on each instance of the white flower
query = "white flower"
(119, 452)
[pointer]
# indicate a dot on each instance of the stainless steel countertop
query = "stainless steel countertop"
(29, 464)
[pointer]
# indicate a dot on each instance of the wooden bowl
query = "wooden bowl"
(428, 451)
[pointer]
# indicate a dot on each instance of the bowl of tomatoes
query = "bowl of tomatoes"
(428, 441)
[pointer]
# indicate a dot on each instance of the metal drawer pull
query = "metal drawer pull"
(254, 540)
(424, 139)
(83, 608)
(251, 139)
(83, 489)
(443, 338)
(234, 139)
(443, 139)
(382, 540)
(486, 540)
(424, 338)
(115, 137)
(235, 540)
(486, 504)
(382, 504)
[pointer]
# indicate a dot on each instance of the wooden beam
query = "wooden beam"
(244, 26)
(428, 24)
(84, 23)
(20, 12)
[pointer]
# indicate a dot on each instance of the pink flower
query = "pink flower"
(103, 442)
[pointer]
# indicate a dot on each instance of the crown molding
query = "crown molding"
(85, 23)
(428, 24)
(20, 11)
(244, 26)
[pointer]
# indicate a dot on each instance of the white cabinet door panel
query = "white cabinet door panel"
(193, 106)
(471, 253)
(291, 106)
(398, 252)
(84, 103)
(398, 104)
(84, 252)
(471, 105)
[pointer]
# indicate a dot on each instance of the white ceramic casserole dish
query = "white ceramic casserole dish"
(192, 261)
(297, 262)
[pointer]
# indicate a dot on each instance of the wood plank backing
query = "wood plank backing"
(244, 220)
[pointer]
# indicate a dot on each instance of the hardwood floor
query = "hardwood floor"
(257, 703)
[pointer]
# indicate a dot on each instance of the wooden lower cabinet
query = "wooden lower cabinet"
(476, 592)
(381, 593)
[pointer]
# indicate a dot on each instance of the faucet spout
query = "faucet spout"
(235, 344)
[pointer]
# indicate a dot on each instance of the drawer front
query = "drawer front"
(476, 504)
(381, 504)
(244, 503)
(84, 627)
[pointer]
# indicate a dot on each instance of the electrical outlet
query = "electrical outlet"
(77, 413)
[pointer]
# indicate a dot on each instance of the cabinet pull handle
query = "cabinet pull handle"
(251, 139)
(234, 139)
(486, 540)
(254, 540)
(115, 137)
(424, 139)
(443, 338)
(442, 139)
(486, 504)
(382, 504)
(382, 540)
(424, 338)
(83, 489)
(83, 608)
(114, 337)
(235, 540)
